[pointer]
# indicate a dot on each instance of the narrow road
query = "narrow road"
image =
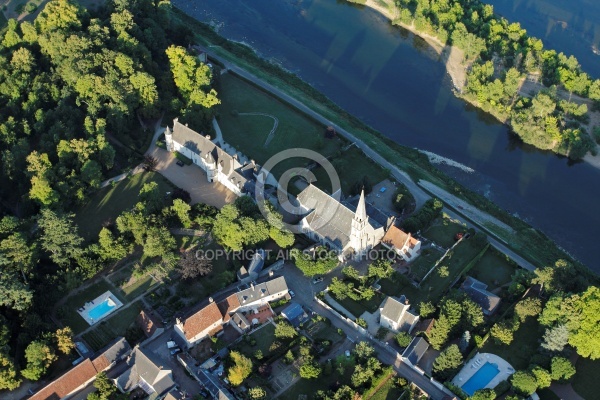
(419, 194)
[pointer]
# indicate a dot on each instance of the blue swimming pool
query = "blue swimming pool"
(102, 309)
(482, 377)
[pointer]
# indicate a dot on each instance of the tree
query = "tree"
(159, 242)
(64, 340)
(182, 210)
(105, 386)
(351, 273)
(59, 236)
(310, 370)
(39, 358)
(192, 266)
(556, 338)
(151, 197)
(18, 254)
(338, 288)
(503, 332)
(561, 369)
(443, 271)
(426, 309)
(322, 262)
(529, 307)
(380, 269)
(523, 382)
(403, 339)
(542, 377)
(257, 393)
(484, 394)
(361, 375)
(283, 330)
(8, 373)
(364, 350)
(447, 363)
(111, 248)
(240, 369)
(439, 333)
(14, 293)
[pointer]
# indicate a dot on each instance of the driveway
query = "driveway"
(192, 179)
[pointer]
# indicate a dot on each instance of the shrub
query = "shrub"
(561, 369)
(403, 339)
(524, 382)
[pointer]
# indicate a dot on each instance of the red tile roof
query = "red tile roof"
(397, 238)
(101, 363)
(68, 382)
(201, 320)
(147, 323)
(228, 305)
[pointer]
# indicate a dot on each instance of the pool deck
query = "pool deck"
(90, 305)
(479, 360)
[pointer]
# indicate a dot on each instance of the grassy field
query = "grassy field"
(396, 286)
(109, 202)
(424, 262)
(443, 232)
(324, 381)
(494, 269)
(524, 346)
(68, 312)
(324, 331)
(264, 339)
(248, 134)
(359, 307)
(113, 327)
(586, 379)
(140, 287)
(388, 391)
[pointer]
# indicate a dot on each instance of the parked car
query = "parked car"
(292, 294)
(317, 279)
(175, 351)
(347, 352)
(171, 344)
(180, 163)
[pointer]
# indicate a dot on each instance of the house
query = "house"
(395, 314)
(240, 323)
(219, 165)
(295, 314)
(424, 325)
(401, 243)
(415, 350)
(174, 394)
(476, 290)
(256, 265)
(84, 373)
(149, 325)
(198, 326)
(262, 293)
(333, 224)
(146, 374)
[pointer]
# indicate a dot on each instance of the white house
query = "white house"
(145, 373)
(396, 316)
(200, 324)
(262, 293)
(401, 243)
(219, 166)
(335, 225)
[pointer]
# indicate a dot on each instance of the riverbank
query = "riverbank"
(534, 245)
(451, 56)
(457, 68)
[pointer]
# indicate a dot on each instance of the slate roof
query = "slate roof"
(415, 350)
(478, 293)
(328, 217)
(240, 175)
(377, 218)
(142, 367)
(258, 291)
(201, 320)
(397, 310)
(240, 320)
(257, 263)
(293, 313)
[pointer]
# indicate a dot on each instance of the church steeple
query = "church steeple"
(358, 236)
(361, 209)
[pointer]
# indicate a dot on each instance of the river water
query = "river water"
(393, 81)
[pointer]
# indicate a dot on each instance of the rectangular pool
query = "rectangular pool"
(481, 378)
(102, 309)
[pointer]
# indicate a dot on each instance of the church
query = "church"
(219, 165)
(350, 232)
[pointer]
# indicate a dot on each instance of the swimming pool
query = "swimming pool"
(481, 378)
(102, 309)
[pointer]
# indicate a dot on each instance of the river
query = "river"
(393, 81)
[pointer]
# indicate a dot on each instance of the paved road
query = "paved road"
(305, 292)
(420, 195)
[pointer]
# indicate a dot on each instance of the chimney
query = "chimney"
(271, 273)
(252, 285)
(208, 137)
(186, 124)
(178, 321)
(210, 300)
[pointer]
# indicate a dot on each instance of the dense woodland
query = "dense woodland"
(73, 83)
(501, 55)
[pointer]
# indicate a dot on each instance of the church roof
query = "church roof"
(377, 218)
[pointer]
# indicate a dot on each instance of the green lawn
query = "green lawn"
(110, 202)
(140, 287)
(388, 391)
(264, 337)
(68, 312)
(587, 377)
(359, 307)
(113, 327)
(524, 346)
(310, 386)
(443, 232)
(323, 330)
(398, 286)
(494, 269)
(424, 262)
